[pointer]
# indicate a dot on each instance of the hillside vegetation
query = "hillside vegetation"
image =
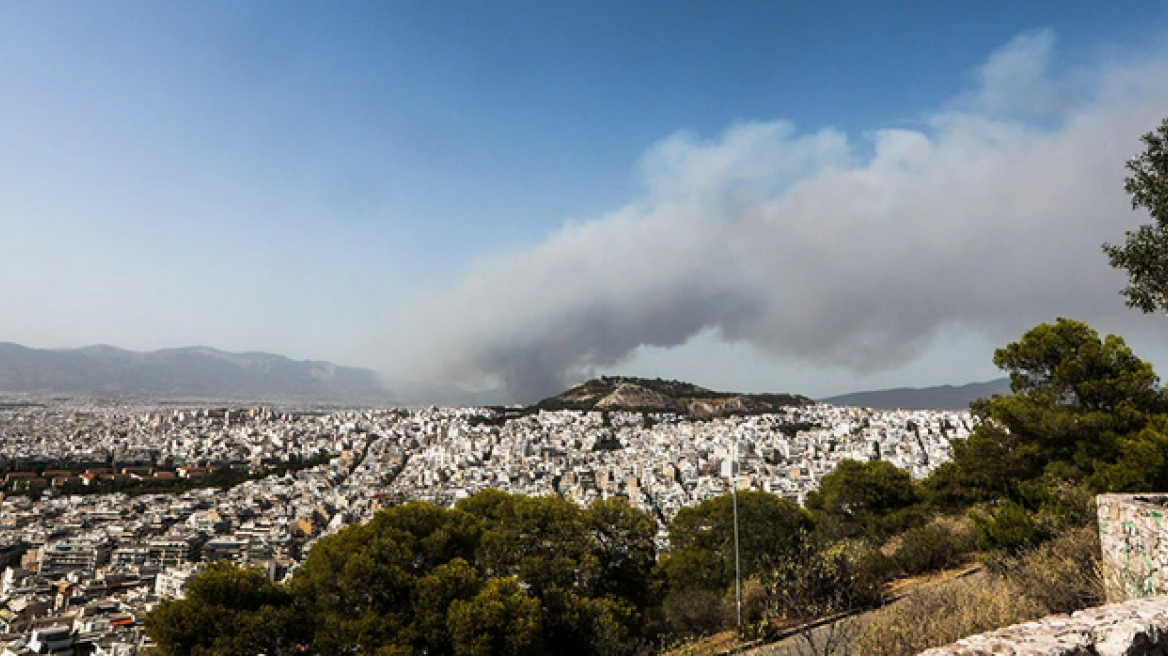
(655, 395)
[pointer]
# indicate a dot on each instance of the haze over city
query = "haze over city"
(812, 198)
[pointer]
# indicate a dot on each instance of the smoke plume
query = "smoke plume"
(823, 247)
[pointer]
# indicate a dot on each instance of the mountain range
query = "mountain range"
(205, 373)
(192, 372)
(942, 397)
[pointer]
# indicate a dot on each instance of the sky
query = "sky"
(759, 196)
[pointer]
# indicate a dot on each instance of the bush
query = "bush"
(228, 610)
(1009, 528)
(941, 544)
(500, 573)
(703, 543)
(823, 579)
(695, 612)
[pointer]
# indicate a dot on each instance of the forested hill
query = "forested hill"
(656, 395)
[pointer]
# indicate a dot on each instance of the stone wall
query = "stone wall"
(1134, 541)
(1131, 628)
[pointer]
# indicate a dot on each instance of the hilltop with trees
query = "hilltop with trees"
(629, 394)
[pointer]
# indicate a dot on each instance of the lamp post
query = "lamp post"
(737, 566)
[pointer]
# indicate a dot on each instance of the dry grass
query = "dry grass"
(1057, 577)
(903, 586)
(1062, 575)
(719, 643)
(939, 614)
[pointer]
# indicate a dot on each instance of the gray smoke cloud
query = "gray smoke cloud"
(990, 215)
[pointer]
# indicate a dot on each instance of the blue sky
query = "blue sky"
(403, 185)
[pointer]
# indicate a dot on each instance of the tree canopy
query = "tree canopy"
(1079, 400)
(864, 497)
(702, 538)
(1144, 255)
(1086, 416)
(498, 574)
(230, 611)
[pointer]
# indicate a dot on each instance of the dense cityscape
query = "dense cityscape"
(292, 293)
(108, 509)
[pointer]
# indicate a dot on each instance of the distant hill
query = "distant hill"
(194, 372)
(656, 395)
(943, 397)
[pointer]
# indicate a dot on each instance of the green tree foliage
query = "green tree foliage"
(499, 574)
(702, 539)
(362, 585)
(592, 569)
(626, 556)
(501, 620)
(1086, 416)
(1145, 253)
(1009, 527)
(873, 498)
(231, 611)
(538, 539)
(1080, 408)
(509, 574)
(444, 587)
(1142, 465)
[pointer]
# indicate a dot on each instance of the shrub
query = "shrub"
(941, 544)
(1009, 527)
(695, 612)
(823, 579)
